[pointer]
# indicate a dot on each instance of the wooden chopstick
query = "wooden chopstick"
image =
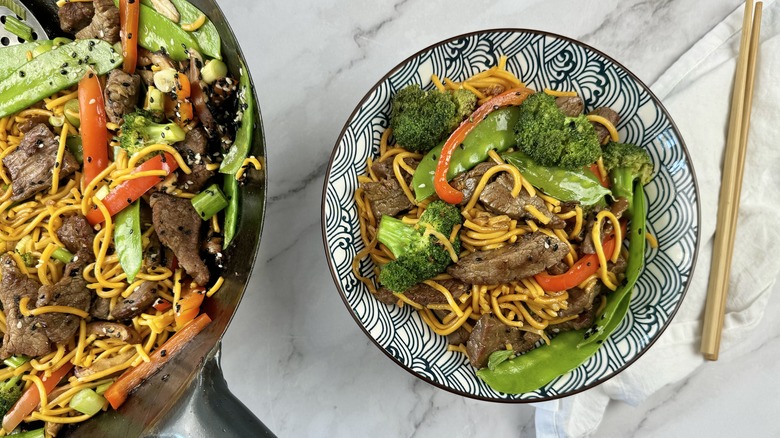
(731, 183)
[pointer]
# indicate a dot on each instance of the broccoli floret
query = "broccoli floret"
(551, 138)
(626, 163)
(10, 391)
(465, 103)
(140, 130)
(418, 256)
(420, 119)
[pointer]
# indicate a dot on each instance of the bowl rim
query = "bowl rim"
(654, 98)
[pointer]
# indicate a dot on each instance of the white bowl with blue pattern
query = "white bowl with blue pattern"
(541, 60)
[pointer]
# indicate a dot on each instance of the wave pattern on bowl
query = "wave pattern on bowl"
(541, 61)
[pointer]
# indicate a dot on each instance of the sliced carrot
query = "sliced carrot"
(94, 135)
(129, 12)
(188, 306)
(162, 305)
(31, 398)
(117, 393)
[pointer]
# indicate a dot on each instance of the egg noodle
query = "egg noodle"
(523, 303)
(30, 228)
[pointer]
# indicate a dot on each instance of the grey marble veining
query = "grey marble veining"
(293, 354)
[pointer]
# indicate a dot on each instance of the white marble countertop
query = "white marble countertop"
(294, 355)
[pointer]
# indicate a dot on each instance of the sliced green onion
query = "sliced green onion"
(73, 143)
(103, 388)
(154, 100)
(42, 48)
(15, 8)
(62, 255)
(16, 361)
(165, 80)
(214, 70)
(21, 244)
(209, 202)
(127, 239)
(18, 28)
(56, 120)
(37, 433)
(71, 111)
(59, 41)
(87, 402)
(102, 193)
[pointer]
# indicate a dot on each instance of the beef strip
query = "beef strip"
(75, 16)
(23, 335)
(105, 329)
(104, 24)
(194, 150)
(617, 208)
(459, 336)
(423, 294)
(178, 227)
(490, 335)
(136, 303)
(70, 291)
(497, 198)
(32, 121)
(618, 268)
(156, 254)
(571, 106)
(467, 182)
(581, 300)
(31, 164)
(100, 308)
(531, 254)
(384, 169)
(77, 235)
(585, 319)
(49, 428)
(608, 114)
(386, 197)
(121, 94)
(104, 364)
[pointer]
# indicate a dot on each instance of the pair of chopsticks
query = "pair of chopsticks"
(731, 183)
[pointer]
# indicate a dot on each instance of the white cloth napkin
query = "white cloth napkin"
(697, 92)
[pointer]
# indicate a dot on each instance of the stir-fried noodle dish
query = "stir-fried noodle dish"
(122, 149)
(498, 213)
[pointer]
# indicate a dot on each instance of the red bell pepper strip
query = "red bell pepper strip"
(94, 135)
(31, 398)
(127, 192)
(583, 268)
(117, 393)
(129, 11)
(444, 190)
(594, 168)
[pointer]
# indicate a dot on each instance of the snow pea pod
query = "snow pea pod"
(567, 351)
(12, 57)
(230, 189)
(155, 33)
(207, 35)
(564, 184)
(127, 240)
(496, 132)
(53, 71)
(243, 141)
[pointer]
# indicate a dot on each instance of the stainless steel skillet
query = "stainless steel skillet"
(188, 396)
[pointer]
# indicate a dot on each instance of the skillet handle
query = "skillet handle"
(208, 409)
